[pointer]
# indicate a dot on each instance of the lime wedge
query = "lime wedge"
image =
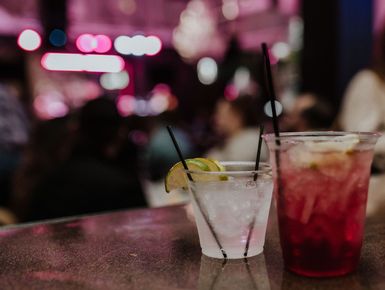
(211, 163)
(218, 164)
(177, 178)
(220, 168)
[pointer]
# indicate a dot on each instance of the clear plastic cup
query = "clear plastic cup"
(320, 187)
(231, 208)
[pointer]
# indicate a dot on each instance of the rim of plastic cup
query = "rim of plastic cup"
(264, 168)
(320, 136)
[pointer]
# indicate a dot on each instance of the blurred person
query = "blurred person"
(47, 148)
(161, 156)
(236, 124)
(308, 113)
(95, 175)
(363, 109)
(13, 137)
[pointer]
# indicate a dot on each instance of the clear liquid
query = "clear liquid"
(232, 207)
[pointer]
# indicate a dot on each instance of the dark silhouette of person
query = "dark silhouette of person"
(100, 173)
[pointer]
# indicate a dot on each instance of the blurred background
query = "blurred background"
(86, 88)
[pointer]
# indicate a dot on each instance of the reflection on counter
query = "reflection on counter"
(351, 282)
(239, 274)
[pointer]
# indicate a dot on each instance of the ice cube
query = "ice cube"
(343, 143)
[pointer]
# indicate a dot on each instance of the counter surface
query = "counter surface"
(156, 249)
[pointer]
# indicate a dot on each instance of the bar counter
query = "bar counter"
(156, 249)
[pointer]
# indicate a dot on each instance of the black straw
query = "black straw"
(258, 158)
(251, 226)
(272, 97)
(270, 87)
(179, 152)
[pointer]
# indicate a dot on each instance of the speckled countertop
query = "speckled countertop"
(155, 249)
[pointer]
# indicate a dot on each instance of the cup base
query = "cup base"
(319, 274)
(232, 253)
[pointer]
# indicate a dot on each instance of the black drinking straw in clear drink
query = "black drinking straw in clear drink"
(230, 205)
(179, 152)
(256, 168)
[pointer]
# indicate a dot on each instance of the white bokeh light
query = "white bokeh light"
(122, 44)
(269, 111)
(158, 103)
(280, 50)
(154, 45)
(29, 40)
(114, 81)
(141, 108)
(82, 62)
(138, 45)
(207, 70)
(242, 78)
(230, 9)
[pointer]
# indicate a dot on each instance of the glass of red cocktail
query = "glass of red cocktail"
(320, 187)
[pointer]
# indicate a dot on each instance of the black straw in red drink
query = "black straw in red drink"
(270, 88)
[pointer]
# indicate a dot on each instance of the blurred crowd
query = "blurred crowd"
(95, 160)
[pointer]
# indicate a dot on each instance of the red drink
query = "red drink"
(321, 186)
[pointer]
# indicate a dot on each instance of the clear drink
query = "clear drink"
(231, 209)
(321, 184)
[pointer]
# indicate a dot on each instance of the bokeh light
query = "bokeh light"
(122, 44)
(230, 9)
(50, 105)
(269, 111)
(207, 70)
(114, 81)
(128, 7)
(141, 108)
(280, 50)
(79, 62)
(29, 40)
(242, 79)
(86, 43)
(57, 38)
(126, 105)
(138, 45)
(103, 43)
(154, 45)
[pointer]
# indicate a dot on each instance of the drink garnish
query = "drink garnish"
(318, 154)
(176, 176)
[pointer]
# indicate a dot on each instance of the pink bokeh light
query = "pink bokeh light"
(86, 43)
(126, 105)
(103, 43)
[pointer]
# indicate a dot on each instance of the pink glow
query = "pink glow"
(49, 106)
(231, 92)
(29, 40)
(289, 6)
(103, 43)
(126, 105)
(86, 43)
(79, 62)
